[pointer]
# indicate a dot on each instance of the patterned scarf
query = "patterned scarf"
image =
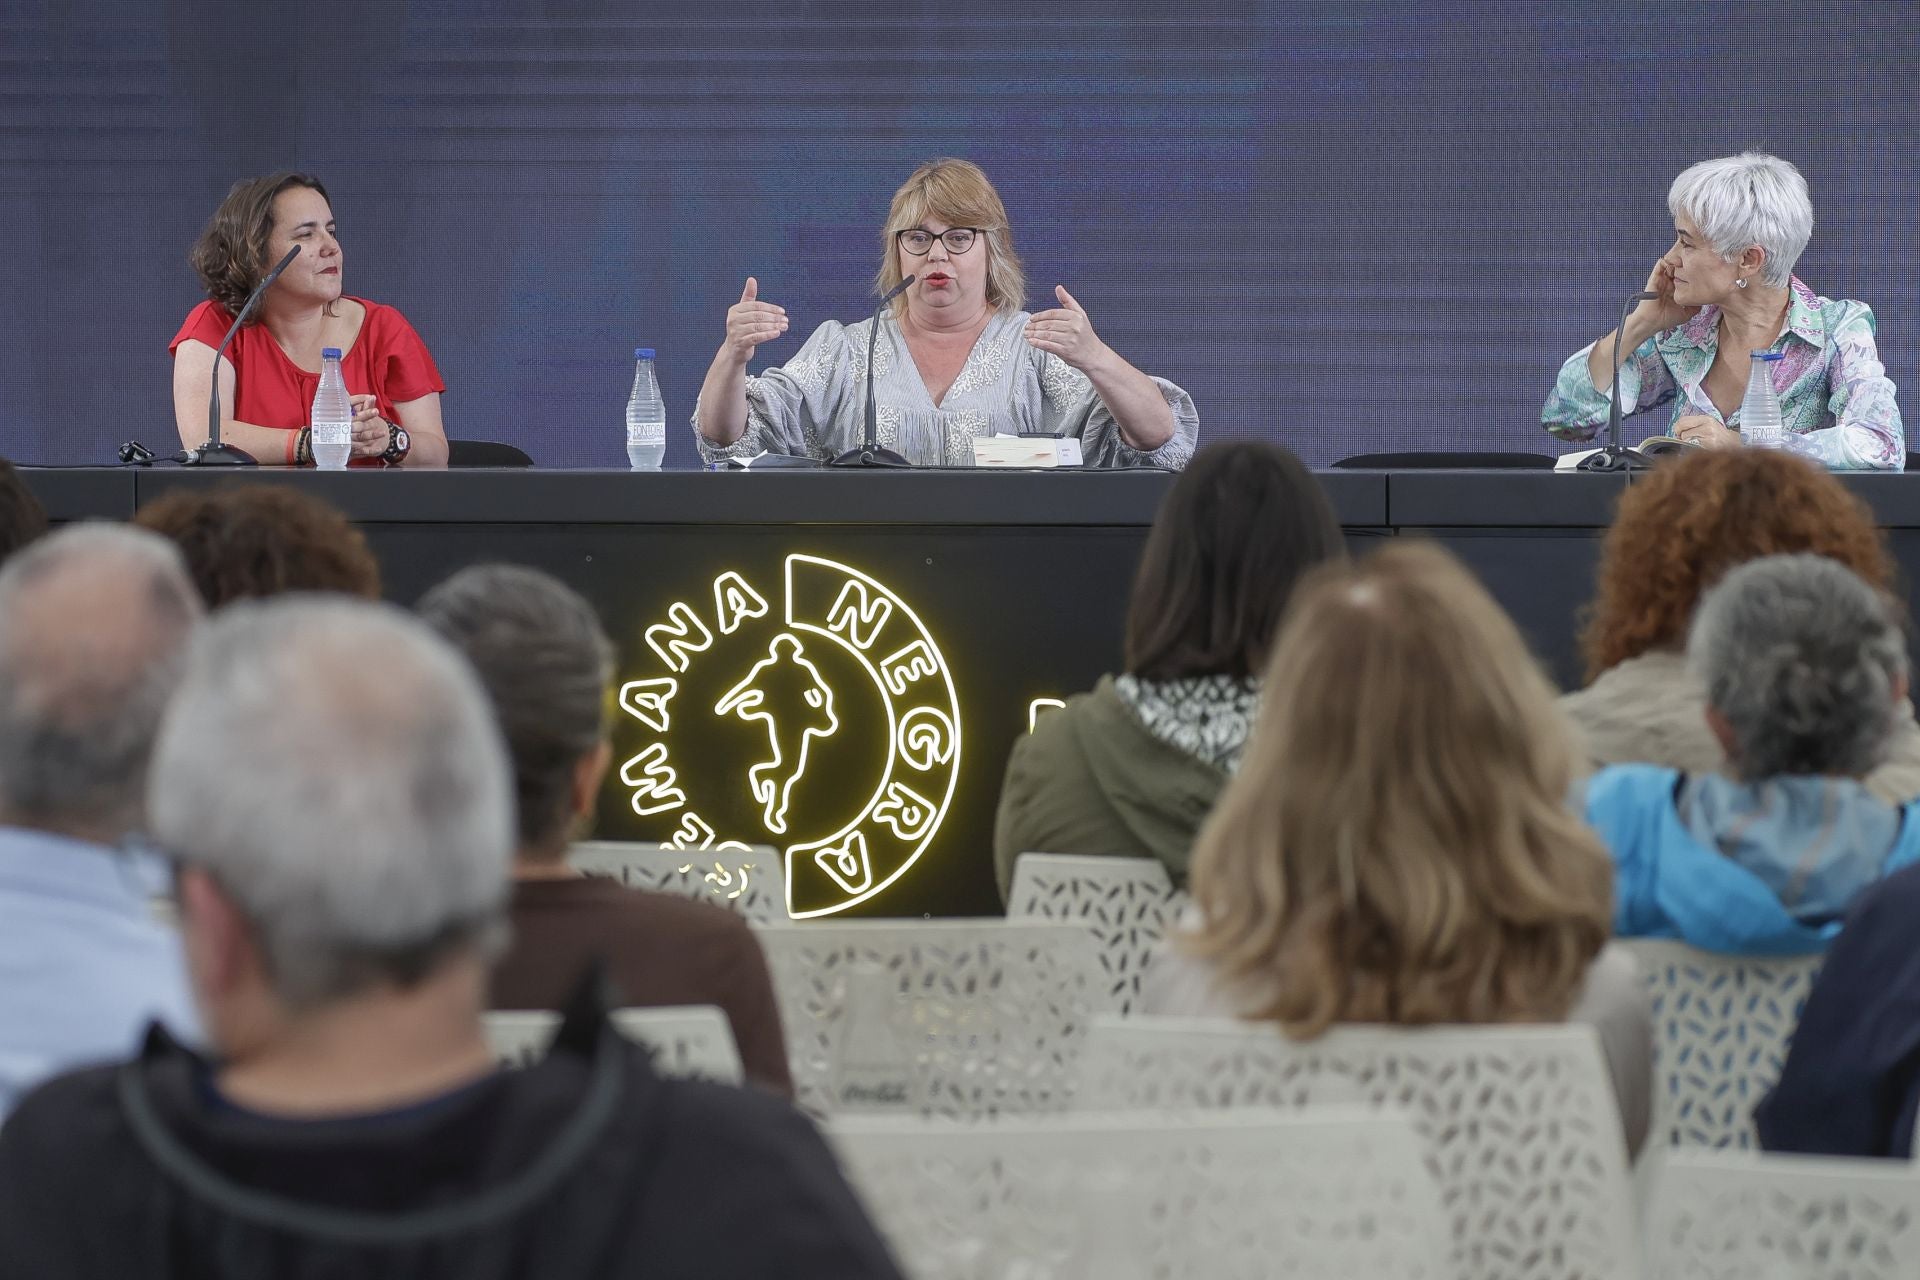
(1208, 717)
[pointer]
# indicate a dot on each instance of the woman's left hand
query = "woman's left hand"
(1705, 432)
(370, 434)
(1066, 332)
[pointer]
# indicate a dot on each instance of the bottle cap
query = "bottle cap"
(330, 353)
(643, 353)
(1769, 355)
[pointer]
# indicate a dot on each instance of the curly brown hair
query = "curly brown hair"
(1688, 521)
(231, 253)
(250, 540)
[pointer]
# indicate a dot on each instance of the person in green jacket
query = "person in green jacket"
(1132, 768)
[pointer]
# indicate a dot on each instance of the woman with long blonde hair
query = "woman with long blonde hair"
(1397, 846)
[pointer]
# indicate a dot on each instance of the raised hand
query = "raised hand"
(1663, 313)
(1066, 332)
(751, 322)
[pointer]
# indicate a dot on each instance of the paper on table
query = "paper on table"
(1016, 451)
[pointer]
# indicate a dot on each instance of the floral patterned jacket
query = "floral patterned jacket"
(1835, 397)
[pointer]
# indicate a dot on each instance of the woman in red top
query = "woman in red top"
(271, 370)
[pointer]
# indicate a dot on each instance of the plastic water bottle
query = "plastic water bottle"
(332, 415)
(646, 416)
(1760, 423)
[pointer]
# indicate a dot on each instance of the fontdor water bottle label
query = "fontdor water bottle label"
(332, 417)
(646, 416)
(1761, 426)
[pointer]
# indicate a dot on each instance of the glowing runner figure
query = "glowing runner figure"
(797, 707)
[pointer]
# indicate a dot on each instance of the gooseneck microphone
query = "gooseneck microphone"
(1616, 457)
(870, 454)
(213, 453)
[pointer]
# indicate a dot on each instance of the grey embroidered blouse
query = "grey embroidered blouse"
(814, 405)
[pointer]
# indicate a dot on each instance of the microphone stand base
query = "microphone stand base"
(218, 455)
(1615, 458)
(871, 456)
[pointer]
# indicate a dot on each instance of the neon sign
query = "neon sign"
(1038, 705)
(843, 671)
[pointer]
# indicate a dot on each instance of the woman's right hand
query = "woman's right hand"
(751, 322)
(1661, 313)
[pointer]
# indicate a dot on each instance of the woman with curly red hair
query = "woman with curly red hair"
(1679, 529)
(270, 372)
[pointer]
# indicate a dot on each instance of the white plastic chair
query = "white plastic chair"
(692, 1040)
(1127, 903)
(1721, 1029)
(1741, 1215)
(747, 880)
(1519, 1121)
(1256, 1194)
(945, 1017)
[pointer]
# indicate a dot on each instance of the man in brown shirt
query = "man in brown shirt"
(546, 663)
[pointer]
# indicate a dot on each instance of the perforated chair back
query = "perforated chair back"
(692, 1040)
(1126, 903)
(742, 878)
(1721, 1029)
(961, 1018)
(1520, 1122)
(1255, 1194)
(1741, 1215)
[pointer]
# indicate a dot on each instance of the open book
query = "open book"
(1652, 447)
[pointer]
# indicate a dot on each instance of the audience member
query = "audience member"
(1397, 846)
(1133, 767)
(22, 518)
(94, 623)
(1805, 672)
(244, 541)
(1679, 529)
(546, 665)
(340, 907)
(1851, 1086)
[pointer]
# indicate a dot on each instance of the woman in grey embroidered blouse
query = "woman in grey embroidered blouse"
(957, 357)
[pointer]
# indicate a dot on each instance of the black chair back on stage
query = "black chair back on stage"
(1444, 461)
(485, 453)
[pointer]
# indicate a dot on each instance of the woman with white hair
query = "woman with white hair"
(1726, 292)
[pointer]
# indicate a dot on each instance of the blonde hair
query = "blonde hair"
(955, 192)
(1397, 845)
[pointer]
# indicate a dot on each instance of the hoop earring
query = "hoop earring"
(1741, 283)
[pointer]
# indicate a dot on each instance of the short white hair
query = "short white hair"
(94, 623)
(1748, 199)
(335, 768)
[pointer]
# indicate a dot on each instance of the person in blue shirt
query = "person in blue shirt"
(1804, 667)
(94, 624)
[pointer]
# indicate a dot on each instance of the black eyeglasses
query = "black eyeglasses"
(919, 243)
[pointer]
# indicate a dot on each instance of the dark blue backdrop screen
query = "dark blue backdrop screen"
(1345, 226)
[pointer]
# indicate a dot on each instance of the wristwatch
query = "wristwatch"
(398, 443)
